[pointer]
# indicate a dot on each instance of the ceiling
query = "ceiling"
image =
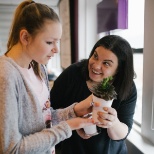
(16, 2)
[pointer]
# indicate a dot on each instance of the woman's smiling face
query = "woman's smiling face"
(102, 64)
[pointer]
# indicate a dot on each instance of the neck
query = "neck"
(90, 83)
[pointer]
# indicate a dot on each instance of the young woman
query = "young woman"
(26, 116)
(110, 56)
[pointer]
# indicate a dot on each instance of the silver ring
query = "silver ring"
(92, 104)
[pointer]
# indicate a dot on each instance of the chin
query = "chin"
(95, 79)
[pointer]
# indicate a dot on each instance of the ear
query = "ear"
(24, 37)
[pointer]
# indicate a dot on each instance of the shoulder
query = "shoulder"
(131, 99)
(10, 78)
(133, 93)
(9, 73)
(71, 74)
(75, 68)
(6, 66)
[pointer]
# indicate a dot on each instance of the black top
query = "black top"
(71, 87)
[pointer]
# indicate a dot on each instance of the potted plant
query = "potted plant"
(104, 93)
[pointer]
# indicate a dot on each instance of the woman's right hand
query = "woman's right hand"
(83, 107)
(77, 123)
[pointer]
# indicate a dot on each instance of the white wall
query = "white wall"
(87, 27)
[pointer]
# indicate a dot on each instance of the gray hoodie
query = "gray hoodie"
(22, 129)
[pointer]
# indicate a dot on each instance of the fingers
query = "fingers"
(108, 118)
(110, 110)
(105, 124)
(90, 101)
(77, 123)
(82, 122)
(96, 104)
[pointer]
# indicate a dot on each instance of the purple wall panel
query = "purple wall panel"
(122, 14)
(112, 14)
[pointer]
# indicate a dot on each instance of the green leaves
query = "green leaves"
(105, 89)
(106, 82)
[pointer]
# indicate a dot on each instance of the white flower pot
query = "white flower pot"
(104, 103)
(90, 130)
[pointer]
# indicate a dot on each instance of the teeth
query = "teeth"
(95, 72)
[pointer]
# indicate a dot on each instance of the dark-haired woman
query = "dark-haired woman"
(111, 56)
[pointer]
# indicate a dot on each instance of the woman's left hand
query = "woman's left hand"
(108, 118)
(84, 107)
(116, 130)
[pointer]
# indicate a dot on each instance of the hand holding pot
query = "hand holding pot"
(84, 107)
(108, 118)
(90, 130)
(96, 108)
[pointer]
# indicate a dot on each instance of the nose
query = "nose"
(97, 65)
(55, 49)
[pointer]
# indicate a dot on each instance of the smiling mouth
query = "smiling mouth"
(95, 72)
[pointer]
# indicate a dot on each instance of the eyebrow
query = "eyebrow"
(107, 60)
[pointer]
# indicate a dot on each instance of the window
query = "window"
(138, 67)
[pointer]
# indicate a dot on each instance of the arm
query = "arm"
(13, 139)
(116, 129)
(77, 109)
